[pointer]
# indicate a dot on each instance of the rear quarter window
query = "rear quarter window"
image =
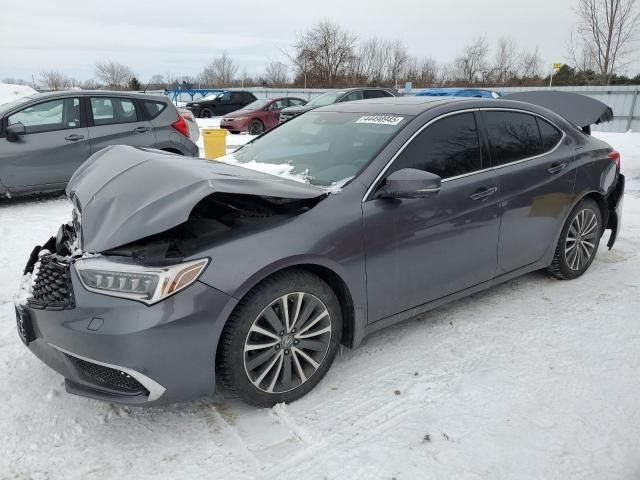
(153, 109)
(550, 134)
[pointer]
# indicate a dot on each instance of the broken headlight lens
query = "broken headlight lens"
(137, 282)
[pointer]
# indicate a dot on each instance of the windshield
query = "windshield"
(325, 149)
(325, 99)
(257, 105)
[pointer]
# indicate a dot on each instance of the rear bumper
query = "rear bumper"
(167, 349)
(615, 201)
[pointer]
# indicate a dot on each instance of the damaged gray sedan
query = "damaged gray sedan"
(252, 271)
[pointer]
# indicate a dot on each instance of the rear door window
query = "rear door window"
(513, 135)
(448, 148)
(294, 102)
(278, 105)
(550, 134)
(59, 114)
(108, 110)
(376, 94)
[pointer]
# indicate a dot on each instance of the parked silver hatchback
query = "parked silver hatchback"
(44, 138)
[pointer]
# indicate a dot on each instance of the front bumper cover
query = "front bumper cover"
(168, 348)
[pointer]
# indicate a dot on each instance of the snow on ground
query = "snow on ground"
(534, 379)
(10, 92)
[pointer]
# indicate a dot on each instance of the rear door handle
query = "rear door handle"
(141, 129)
(556, 167)
(74, 137)
(483, 193)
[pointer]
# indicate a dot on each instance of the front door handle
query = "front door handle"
(74, 137)
(483, 193)
(141, 129)
(556, 167)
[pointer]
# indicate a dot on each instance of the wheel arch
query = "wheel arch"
(350, 327)
(595, 195)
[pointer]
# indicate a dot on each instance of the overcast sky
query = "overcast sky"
(183, 36)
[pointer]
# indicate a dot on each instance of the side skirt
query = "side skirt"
(413, 312)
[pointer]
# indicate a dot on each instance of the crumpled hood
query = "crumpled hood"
(124, 193)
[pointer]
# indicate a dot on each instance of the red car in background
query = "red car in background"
(259, 116)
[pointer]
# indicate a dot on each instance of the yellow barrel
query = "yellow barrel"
(215, 142)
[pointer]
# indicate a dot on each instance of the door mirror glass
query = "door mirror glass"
(14, 131)
(410, 183)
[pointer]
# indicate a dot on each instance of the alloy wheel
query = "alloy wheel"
(582, 239)
(255, 128)
(287, 342)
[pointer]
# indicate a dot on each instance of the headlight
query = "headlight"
(136, 282)
(194, 105)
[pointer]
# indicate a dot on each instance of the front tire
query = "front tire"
(256, 127)
(206, 113)
(578, 243)
(281, 339)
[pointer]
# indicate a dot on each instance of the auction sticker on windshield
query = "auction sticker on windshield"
(380, 119)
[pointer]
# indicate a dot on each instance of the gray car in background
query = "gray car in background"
(44, 138)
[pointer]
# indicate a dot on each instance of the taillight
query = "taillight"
(615, 156)
(181, 125)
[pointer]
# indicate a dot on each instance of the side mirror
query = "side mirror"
(411, 183)
(14, 131)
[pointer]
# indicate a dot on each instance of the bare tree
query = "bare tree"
(220, 72)
(472, 63)
(579, 55)
(372, 61)
(505, 65)
(325, 51)
(90, 84)
(113, 74)
(427, 72)
(55, 80)
(530, 63)
(157, 81)
(276, 74)
(397, 57)
(607, 29)
(446, 73)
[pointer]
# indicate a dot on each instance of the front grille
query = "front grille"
(110, 377)
(52, 289)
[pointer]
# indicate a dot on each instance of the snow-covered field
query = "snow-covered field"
(535, 379)
(10, 92)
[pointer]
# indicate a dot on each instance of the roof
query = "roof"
(458, 92)
(399, 105)
(70, 93)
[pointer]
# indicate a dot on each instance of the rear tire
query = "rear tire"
(256, 127)
(578, 243)
(270, 354)
(206, 113)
